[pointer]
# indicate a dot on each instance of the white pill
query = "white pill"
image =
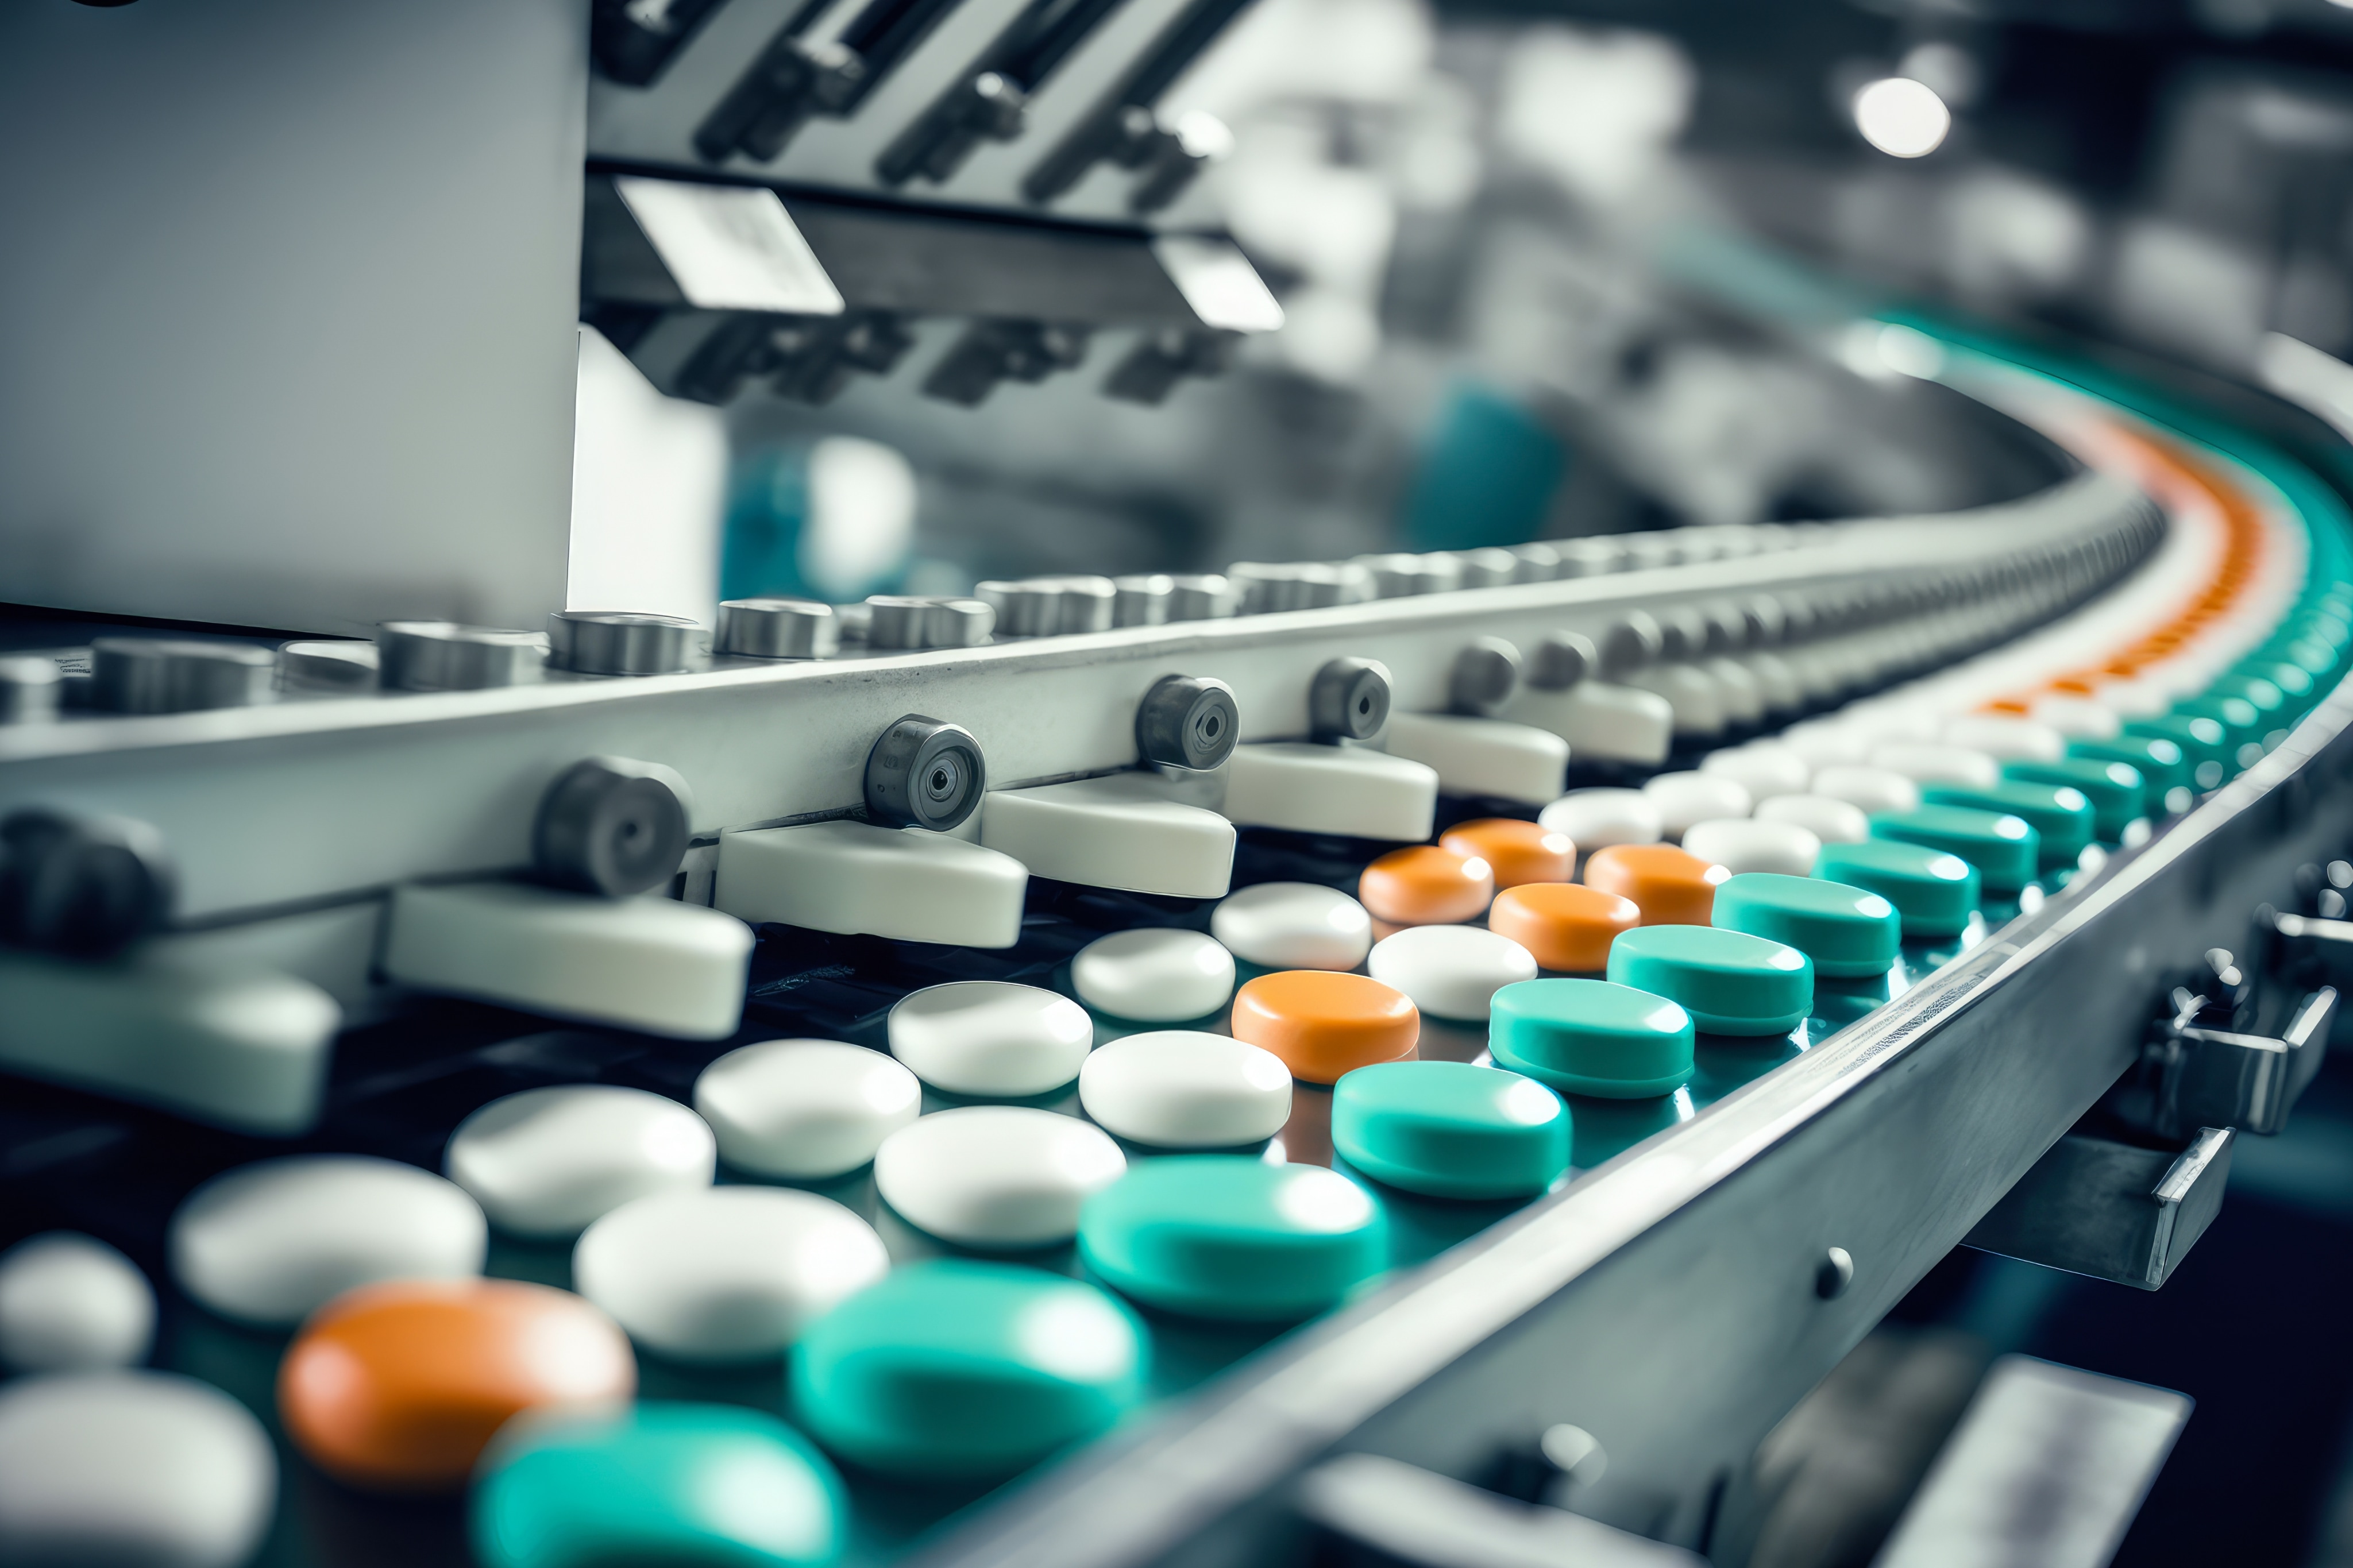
(270, 1241)
(1685, 798)
(996, 1175)
(725, 1273)
(71, 1302)
(2080, 718)
(1293, 925)
(1744, 844)
(1832, 821)
(547, 1160)
(1933, 762)
(1827, 743)
(1764, 768)
(1597, 818)
(1157, 976)
(1449, 972)
(805, 1107)
(1187, 1088)
(2007, 737)
(134, 1470)
(990, 1036)
(1869, 790)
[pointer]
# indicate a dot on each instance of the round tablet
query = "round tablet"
(126, 1467)
(270, 1241)
(1829, 821)
(1669, 886)
(2117, 792)
(2003, 848)
(1320, 1024)
(70, 1302)
(1848, 931)
(1516, 852)
(996, 1175)
(1426, 885)
(2059, 815)
(712, 1484)
(1741, 843)
(724, 1273)
(1451, 970)
(1935, 893)
(1450, 1129)
(399, 1386)
(1729, 981)
(1221, 1235)
(1293, 925)
(957, 1368)
(1155, 976)
(1596, 818)
(1187, 1088)
(804, 1109)
(545, 1162)
(1685, 798)
(1868, 790)
(1765, 769)
(1562, 925)
(1589, 1036)
(990, 1037)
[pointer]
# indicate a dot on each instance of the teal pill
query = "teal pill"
(1588, 1037)
(967, 1368)
(2202, 739)
(2160, 764)
(1935, 893)
(2294, 681)
(1450, 1129)
(2003, 847)
(1848, 931)
(2263, 696)
(2059, 815)
(2117, 792)
(1225, 1235)
(1729, 981)
(701, 1485)
(2238, 718)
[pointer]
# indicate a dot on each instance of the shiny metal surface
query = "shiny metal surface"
(439, 655)
(619, 642)
(30, 685)
(2111, 1210)
(328, 665)
(179, 675)
(778, 629)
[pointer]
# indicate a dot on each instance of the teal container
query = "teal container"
(1729, 981)
(2117, 791)
(1227, 1236)
(687, 1484)
(2160, 764)
(967, 1368)
(2003, 845)
(1848, 931)
(1450, 1129)
(1588, 1037)
(2059, 815)
(1934, 893)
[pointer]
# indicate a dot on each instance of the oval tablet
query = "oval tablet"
(2059, 815)
(1934, 893)
(1516, 852)
(1187, 1088)
(1322, 1025)
(1293, 925)
(996, 1175)
(1450, 971)
(1829, 821)
(2004, 848)
(1155, 976)
(68, 1302)
(2117, 791)
(1729, 981)
(1685, 798)
(1589, 1036)
(1745, 844)
(1764, 768)
(1848, 931)
(1929, 762)
(805, 1107)
(1868, 790)
(1450, 1129)
(1669, 886)
(1562, 925)
(545, 1162)
(990, 1037)
(1223, 1236)
(1426, 885)
(1597, 818)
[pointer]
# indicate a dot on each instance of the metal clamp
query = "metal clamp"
(2193, 1075)
(2111, 1210)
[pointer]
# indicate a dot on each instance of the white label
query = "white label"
(730, 248)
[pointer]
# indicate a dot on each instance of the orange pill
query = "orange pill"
(400, 1387)
(1517, 852)
(1566, 927)
(1426, 885)
(1322, 1023)
(1671, 887)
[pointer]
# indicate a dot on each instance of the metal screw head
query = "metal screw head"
(613, 826)
(1487, 673)
(1349, 699)
(1834, 1274)
(778, 629)
(82, 886)
(1184, 721)
(439, 655)
(618, 642)
(1562, 660)
(328, 665)
(924, 773)
(179, 675)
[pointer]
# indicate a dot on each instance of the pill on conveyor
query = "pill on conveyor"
(1764, 768)
(1425, 885)
(1322, 1023)
(270, 1242)
(1685, 798)
(1223, 1236)
(651, 963)
(1828, 743)
(990, 1037)
(1450, 971)
(1741, 843)
(2004, 848)
(1308, 788)
(1597, 819)
(1293, 925)
(1516, 851)
(1589, 1036)
(1489, 757)
(1848, 931)
(857, 878)
(68, 1302)
(1187, 1088)
(1931, 762)
(399, 1386)
(995, 1176)
(131, 1469)
(1669, 886)
(650, 1482)
(2061, 815)
(2160, 763)
(724, 1273)
(1868, 789)
(545, 1162)
(2005, 737)
(2075, 717)
(1450, 1129)
(1154, 976)
(1935, 893)
(1122, 831)
(959, 1368)
(1563, 925)
(804, 1109)
(1729, 981)
(1831, 821)
(2117, 791)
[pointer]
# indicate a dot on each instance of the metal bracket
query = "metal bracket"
(2111, 1210)
(2191, 1077)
